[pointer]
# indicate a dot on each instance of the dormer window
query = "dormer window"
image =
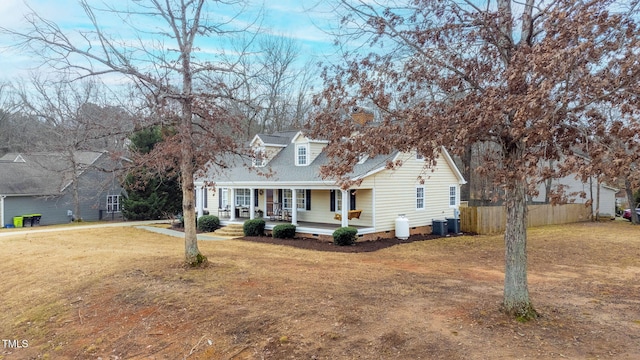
(259, 157)
(362, 158)
(302, 154)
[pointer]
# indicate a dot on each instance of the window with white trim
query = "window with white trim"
(302, 154)
(205, 198)
(224, 201)
(338, 201)
(113, 203)
(301, 199)
(453, 196)
(362, 158)
(259, 157)
(243, 197)
(420, 198)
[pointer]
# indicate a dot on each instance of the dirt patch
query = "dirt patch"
(122, 293)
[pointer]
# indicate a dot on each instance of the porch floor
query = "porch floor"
(303, 226)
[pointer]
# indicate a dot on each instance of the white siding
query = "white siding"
(314, 150)
(315, 147)
(271, 152)
(396, 192)
(321, 208)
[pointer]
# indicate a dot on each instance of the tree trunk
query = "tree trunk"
(465, 189)
(593, 218)
(516, 293)
(76, 199)
(192, 254)
(599, 182)
(75, 171)
(631, 199)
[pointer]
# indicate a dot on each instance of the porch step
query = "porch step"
(231, 230)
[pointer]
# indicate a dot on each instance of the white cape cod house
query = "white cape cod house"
(296, 193)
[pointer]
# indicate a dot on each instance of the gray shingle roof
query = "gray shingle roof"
(39, 173)
(281, 138)
(283, 166)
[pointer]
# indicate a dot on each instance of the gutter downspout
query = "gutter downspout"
(2, 210)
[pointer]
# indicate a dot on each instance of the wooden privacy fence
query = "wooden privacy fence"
(492, 219)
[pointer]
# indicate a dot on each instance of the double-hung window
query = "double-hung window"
(420, 198)
(302, 154)
(113, 203)
(243, 197)
(301, 199)
(224, 198)
(453, 196)
(259, 157)
(338, 202)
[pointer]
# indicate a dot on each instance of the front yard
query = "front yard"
(121, 293)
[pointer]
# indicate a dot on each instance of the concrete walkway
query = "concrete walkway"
(180, 234)
(137, 224)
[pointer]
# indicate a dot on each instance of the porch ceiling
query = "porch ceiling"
(282, 185)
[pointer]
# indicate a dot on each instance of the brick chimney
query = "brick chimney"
(361, 116)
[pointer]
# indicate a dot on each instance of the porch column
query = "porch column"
(199, 202)
(232, 208)
(252, 200)
(345, 208)
(373, 208)
(264, 203)
(294, 207)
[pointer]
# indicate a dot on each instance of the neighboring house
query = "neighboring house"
(42, 183)
(294, 192)
(572, 186)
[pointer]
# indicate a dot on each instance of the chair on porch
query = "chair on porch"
(285, 215)
(275, 212)
(224, 212)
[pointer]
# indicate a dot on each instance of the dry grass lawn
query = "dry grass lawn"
(121, 293)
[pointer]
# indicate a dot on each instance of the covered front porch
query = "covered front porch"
(313, 209)
(313, 228)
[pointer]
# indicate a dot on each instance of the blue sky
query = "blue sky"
(297, 19)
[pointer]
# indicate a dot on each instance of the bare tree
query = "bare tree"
(276, 90)
(159, 46)
(522, 75)
(613, 146)
(16, 129)
(74, 117)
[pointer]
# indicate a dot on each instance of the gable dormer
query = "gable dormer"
(306, 149)
(265, 148)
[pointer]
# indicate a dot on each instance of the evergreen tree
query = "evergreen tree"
(149, 195)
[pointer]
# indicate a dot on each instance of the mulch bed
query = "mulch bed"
(318, 245)
(360, 246)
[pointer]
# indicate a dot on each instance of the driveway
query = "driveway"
(146, 225)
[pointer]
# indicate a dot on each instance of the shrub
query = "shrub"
(345, 236)
(208, 223)
(284, 231)
(253, 227)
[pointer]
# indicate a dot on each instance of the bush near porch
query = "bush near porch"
(284, 231)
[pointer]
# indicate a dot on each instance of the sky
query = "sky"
(300, 20)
